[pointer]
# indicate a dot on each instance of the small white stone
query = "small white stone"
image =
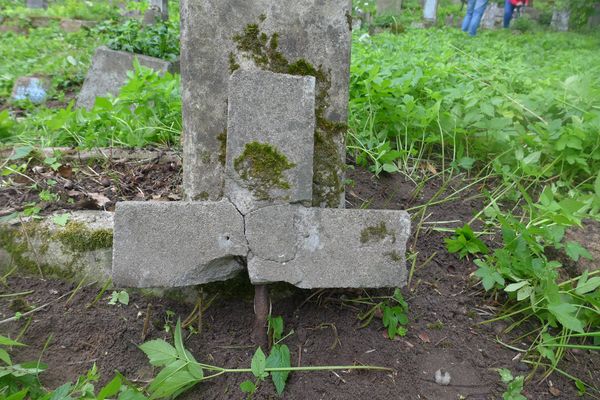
(442, 377)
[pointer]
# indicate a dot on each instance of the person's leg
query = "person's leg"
(478, 11)
(468, 15)
(508, 13)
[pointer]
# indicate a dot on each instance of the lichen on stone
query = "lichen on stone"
(79, 238)
(262, 167)
(376, 233)
(222, 138)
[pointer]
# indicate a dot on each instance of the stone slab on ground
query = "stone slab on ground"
(174, 244)
(80, 250)
(32, 88)
(430, 10)
(327, 248)
(307, 32)
(75, 25)
(270, 139)
(108, 73)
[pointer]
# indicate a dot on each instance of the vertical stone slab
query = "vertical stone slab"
(430, 11)
(391, 7)
(270, 139)
(560, 20)
(162, 6)
(298, 37)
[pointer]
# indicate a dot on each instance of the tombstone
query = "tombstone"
(37, 4)
(430, 11)
(299, 37)
(389, 7)
(492, 16)
(560, 20)
(34, 89)
(269, 228)
(108, 73)
(158, 10)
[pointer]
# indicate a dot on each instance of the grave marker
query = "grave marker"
(430, 11)
(391, 7)
(300, 37)
(37, 4)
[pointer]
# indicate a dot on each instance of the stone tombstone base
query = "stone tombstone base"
(108, 73)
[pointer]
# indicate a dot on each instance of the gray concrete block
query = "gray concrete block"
(270, 139)
(108, 73)
(317, 32)
(430, 10)
(176, 244)
(327, 248)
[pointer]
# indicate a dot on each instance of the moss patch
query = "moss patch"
(327, 166)
(376, 233)
(222, 138)
(79, 238)
(262, 167)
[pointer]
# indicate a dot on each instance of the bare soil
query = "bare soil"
(446, 308)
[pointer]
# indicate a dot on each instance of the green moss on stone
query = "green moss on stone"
(79, 238)
(328, 166)
(376, 233)
(222, 138)
(233, 64)
(395, 256)
(262, 167)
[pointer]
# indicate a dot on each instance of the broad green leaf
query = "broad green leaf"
(524, 293)
(505, 375)
(489, 277)
(19, 395)
(131, 394)
(532, 158)
(574, 250)
(172, 369)
(248, 387)
(61, 219)
(5, 357)
(159, 352)
(258, 364)
(276, 327)
(62, 392)
(110, 389)
(587, 286)
(279, 358)
(565, 314)
(513, 287)
(390, 168)
(21, 152)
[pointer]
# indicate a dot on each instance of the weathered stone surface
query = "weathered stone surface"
(80, 250)
(492, 16)
(33, 88)
(430, 10)
(393, 7)
(560, 20)
(270, 139)
(37, 3)
(75, 25)
(162, 6)
(310, 34)
(108, 73)
(174, 244)
(327, 248)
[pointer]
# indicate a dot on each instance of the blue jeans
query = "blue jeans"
(508, 12)
(475, 10)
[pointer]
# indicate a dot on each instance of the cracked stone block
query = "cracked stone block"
(270, 139)
(311, 35)
(174, 244)
(327, 248)
(108, 73)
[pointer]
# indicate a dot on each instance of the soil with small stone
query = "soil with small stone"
(446, 307)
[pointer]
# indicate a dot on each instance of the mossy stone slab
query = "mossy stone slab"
(270, 139)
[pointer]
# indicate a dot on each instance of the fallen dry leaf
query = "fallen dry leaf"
(424, 337)
(100, 199)
(66, 171)
(554, 391)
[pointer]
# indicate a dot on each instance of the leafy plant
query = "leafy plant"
(121, 297)
(464, 242)
(392, 309)
(180, 370)
(514, 385)
(18, 379)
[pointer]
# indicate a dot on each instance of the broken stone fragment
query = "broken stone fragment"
(176, 244)
(327, 248)
(270, 139)
(34, 89)
(108, 73)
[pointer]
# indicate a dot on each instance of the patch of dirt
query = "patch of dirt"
(445, 307)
